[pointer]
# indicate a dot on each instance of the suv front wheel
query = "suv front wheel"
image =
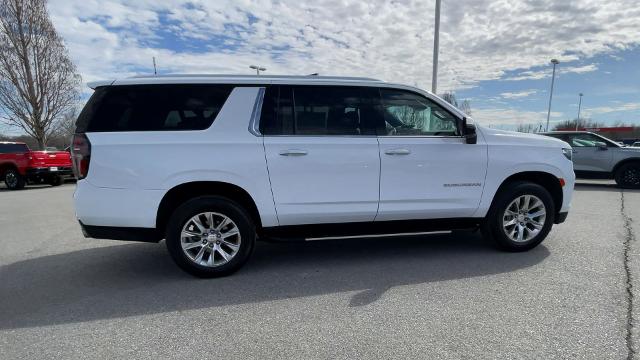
(628, 176)
(520, 217)
(210, 236)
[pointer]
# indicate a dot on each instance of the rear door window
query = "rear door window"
(316, 111)
(153, 108)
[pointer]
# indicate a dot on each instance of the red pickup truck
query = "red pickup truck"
(19, 165)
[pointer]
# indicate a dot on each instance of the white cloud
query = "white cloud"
(480, 39)
(511, 117)
(616, 107)
(541, 74)
(518, 94)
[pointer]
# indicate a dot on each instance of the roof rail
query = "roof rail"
(312, 76)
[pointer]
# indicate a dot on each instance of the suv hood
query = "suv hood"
(495, 136)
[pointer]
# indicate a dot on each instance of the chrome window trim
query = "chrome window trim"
(254, 124)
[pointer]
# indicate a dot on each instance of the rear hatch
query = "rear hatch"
(50, 159)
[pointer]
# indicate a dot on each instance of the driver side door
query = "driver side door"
(428, 171)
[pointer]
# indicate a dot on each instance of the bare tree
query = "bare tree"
(463, 105)
(38, 81)
(64, 129)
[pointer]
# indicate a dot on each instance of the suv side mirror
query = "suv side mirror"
(468, 131)
(601, 146)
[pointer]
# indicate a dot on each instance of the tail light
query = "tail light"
(80, 155)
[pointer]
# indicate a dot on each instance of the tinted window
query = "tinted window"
(585, 140)
(317, 110)
(407, 113)
(13, 148)
(152, 108)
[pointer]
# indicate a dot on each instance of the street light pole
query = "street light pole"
(257, 68)
(579, 106)
(553, 78)
(436, 49)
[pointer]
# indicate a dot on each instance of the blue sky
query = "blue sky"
(610, 87)
(493, 52)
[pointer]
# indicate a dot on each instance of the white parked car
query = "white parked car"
(212, 163)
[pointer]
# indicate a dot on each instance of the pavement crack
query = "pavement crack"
(629, 237)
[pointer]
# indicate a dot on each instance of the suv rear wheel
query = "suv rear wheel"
(628, 176)
(521, 216)
(13, 179)
(210, 236)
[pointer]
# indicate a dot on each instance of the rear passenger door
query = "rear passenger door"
(322, 154)
(427, 169)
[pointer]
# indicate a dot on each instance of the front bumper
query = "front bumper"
(561, 217)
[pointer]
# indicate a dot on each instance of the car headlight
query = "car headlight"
(568, 153)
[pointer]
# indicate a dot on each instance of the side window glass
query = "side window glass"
(154, 108)
(324, 110)
(409, 114)
(586, 140)
(317, 111)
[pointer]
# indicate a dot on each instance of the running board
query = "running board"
(378, 235)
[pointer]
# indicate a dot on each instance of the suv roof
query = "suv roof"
(236, 79)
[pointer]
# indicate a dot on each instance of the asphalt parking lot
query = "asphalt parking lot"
(439, 296)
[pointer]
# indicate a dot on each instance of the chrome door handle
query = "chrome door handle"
(397, 152)
(293, 152)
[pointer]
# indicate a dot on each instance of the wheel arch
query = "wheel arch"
(183, 192)
(7, 166)
(547, 180)
(624, 162)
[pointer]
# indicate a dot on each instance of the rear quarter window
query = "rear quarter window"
(152, 108)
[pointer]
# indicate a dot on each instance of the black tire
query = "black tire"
(14, 180)
(628, 176)
(493, 226)
(216, 204)
(56, 181)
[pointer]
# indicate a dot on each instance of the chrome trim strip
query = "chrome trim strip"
(254, 124)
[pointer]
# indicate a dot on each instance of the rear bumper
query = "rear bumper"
(120, 233)
(47, 171)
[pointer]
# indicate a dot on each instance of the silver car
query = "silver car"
(596, 157)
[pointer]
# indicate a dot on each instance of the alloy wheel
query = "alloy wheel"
(631, 176)
(210, 239)
(11, 179)
(524, 218)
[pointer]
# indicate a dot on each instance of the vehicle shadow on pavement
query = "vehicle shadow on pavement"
(137, 279)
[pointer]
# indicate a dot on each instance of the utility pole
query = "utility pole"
(579, 106)
(553, 77)
(436, 50)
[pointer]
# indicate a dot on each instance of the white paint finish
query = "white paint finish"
(161, 160)
(116, 207)
(511, 153)
(328, 179)
(412, 185)
(336, 181)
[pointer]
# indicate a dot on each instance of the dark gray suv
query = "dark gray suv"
(596, 157)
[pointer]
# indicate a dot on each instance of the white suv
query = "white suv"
(212, 163)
